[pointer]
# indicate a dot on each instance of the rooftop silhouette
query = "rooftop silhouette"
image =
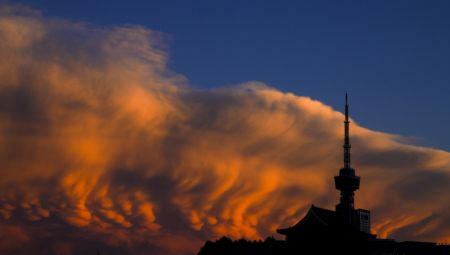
(321, 231)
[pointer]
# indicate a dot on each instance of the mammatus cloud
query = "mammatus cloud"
(101, 146)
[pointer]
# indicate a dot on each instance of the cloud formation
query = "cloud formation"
(102, 146)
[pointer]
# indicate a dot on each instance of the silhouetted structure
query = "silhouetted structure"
(345, 222)
(321, 231)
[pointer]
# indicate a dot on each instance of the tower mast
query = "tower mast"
(347, 145)
(347, 182)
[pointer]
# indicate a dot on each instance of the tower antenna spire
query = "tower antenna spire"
(347, 145)
(347, 181)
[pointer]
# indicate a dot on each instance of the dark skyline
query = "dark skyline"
(345, 230)
(105, 143)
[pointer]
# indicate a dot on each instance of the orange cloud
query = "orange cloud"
(102, 146)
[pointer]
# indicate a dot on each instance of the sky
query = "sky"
(391, 56)
(148, 129)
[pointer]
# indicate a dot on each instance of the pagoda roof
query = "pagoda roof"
(316, 215)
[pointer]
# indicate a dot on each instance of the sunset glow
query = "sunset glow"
(102, 144)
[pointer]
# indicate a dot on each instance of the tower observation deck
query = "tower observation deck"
(347, 182)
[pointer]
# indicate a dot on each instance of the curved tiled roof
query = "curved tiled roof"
(315, 215)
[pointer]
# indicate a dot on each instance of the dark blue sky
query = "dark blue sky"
(392, 56)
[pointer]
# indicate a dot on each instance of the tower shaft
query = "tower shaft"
(346, 182)
(346, 145)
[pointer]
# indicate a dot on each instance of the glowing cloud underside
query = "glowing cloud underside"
(101, 146)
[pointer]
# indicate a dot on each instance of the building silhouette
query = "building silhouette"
(319, 222)
(321, 231)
